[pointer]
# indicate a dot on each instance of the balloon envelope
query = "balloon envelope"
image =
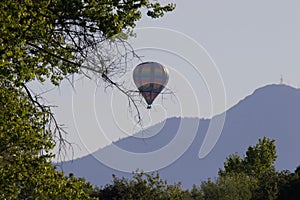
(150, 79)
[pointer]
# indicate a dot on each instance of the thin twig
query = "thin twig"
(59, 129)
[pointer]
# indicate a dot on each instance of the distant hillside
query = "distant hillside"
(272, 111)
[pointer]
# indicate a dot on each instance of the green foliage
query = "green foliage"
(26, 171)
(252, 177)
(230, 187)
(289, 185)
(234, 163)
(196, 193)
(143, 186)
(267, 186)
(257, 167)
(50, 39)
(258, 160)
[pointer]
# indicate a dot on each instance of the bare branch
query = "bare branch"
(58, 129)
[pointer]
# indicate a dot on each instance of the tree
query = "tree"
(143, 186)
(235, 186)
(252, 177)
(289, 185)
(258, 159)
(196, 193)
(51, 39)
(26, 171)
(258, 165)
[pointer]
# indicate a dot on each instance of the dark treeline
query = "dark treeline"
(252, 176)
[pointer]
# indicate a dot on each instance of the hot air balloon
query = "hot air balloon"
(150, 78)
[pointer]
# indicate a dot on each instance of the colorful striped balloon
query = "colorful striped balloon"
(150, 78)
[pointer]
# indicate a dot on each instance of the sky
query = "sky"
(217, 52)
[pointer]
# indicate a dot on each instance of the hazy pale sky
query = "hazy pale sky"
(252, 42)
(243, 44)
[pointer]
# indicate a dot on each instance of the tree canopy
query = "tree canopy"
(252, 177)
(26, 171)
(241, 179)
(258, 159)
(53, 39)
(50, 39)
(143, 186)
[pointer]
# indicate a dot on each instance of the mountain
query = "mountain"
(272, 111)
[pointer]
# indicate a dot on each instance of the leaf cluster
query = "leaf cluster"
(26, 171)
(251, 177)
(143, 186)
(51, 38)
